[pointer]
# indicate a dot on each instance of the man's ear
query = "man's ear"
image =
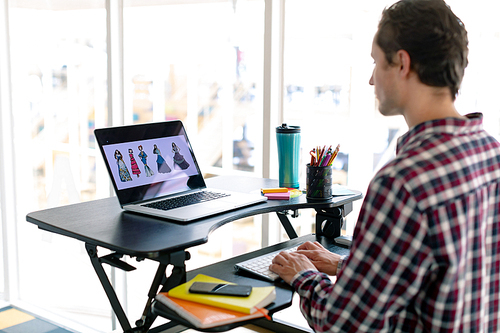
(404, 62)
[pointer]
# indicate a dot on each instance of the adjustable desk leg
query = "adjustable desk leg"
(285, 222)
(178, 276)
(108, 288)
(148, 318)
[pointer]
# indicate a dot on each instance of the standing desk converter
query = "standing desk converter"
(102, 223)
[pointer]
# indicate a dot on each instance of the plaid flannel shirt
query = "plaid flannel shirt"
(425, 255)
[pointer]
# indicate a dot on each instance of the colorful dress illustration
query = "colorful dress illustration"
(162, 165)
(133, 163)
(178, 158)
(144, 160)
(122, 168)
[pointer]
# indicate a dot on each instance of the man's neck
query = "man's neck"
(429, 103)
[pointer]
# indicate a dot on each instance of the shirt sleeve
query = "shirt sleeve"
(383, 273)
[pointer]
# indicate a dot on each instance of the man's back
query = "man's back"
(446, 180)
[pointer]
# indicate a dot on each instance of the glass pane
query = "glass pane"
(59, 93)
(203, 65)
(327, 68)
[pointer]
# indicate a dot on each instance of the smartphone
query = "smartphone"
(220, 289)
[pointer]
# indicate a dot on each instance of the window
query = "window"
(203, 65)
(58, 69)
(327, 66)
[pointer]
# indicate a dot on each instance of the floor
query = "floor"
(241, 329)
(14, 320)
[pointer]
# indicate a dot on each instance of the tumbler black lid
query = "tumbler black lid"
(284, 128)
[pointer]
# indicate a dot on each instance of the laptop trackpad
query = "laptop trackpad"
(221, 203)
(200, 210)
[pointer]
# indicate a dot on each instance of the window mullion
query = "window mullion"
(272, 99)
(117, 113)
(114, 44)
(7, 171)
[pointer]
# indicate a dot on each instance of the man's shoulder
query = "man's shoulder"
(441, 169)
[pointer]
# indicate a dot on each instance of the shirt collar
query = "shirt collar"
(448, 126)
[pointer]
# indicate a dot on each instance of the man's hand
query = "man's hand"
(324, 260)
(287, 264)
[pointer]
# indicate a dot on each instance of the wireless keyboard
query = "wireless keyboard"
(260, 265)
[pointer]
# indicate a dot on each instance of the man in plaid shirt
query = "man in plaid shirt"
(425, 255)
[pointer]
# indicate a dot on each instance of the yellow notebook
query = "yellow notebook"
(259, 298)
(205, 316)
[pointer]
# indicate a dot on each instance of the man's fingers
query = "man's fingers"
(306, 246)
(281, 258)
(276, 268)
(310, 246)
(284, 257)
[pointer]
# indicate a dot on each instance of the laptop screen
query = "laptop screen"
(148, 161)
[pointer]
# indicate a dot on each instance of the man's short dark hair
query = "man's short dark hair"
(433, 36)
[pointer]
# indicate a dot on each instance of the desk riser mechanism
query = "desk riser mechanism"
(329, 222)
(177, 276)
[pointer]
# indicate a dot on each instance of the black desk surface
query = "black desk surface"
(103, 222)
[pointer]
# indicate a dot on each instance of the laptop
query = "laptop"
(153, 165)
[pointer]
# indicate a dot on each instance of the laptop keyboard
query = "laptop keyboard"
(186, 200)
(260, 265)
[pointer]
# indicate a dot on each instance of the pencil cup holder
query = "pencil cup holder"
(319, 182)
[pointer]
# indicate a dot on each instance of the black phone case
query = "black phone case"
(221, 289)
